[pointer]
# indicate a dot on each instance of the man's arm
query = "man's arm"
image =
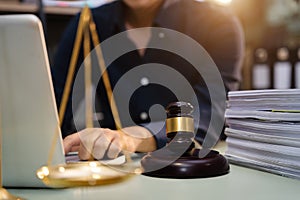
(98, 142)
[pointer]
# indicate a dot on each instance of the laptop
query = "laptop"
(27, 104)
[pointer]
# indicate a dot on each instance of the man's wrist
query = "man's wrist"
(138, 139)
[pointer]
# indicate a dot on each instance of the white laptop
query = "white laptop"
(27, 102)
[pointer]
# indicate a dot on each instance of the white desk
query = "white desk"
(241, 184)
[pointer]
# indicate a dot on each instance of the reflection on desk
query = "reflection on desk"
(240, 183)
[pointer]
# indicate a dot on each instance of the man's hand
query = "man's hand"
(98, 142)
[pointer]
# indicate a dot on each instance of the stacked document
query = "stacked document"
(264, 130)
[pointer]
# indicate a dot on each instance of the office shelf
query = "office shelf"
(19, 7)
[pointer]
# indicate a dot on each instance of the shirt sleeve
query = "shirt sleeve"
(158, 130)
(220, 33)
(225, 44)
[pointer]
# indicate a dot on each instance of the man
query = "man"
(211, 26)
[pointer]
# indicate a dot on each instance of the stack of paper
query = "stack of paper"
(264, 130)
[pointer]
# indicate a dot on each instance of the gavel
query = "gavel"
(180, 158)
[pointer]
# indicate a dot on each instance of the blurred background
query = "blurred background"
(271, 27)
(272, 32)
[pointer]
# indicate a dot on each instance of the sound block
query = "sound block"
(186, 166)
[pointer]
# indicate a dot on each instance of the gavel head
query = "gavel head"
(180, 127)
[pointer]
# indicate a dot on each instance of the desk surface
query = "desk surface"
(240, 183)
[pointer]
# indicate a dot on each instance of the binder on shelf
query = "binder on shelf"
(282, 70)
(297, 70)
(261, 76)
(261, 70)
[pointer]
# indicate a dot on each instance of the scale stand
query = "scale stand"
(89, 173)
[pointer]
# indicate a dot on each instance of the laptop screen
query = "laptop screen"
(27, 102)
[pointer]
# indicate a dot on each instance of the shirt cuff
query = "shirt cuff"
(158, 130)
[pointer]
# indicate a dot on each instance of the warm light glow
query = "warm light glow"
(43, 172)
(46, 171)
(93, 164)
(40, 175)
(61, 169)
(96, 170)
(223, 2)
(96, 176)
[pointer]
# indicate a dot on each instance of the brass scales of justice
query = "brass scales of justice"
(91, 172)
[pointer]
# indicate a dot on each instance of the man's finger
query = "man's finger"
(88, 138)
(71, 141)
(115, 148)
(101, 145)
